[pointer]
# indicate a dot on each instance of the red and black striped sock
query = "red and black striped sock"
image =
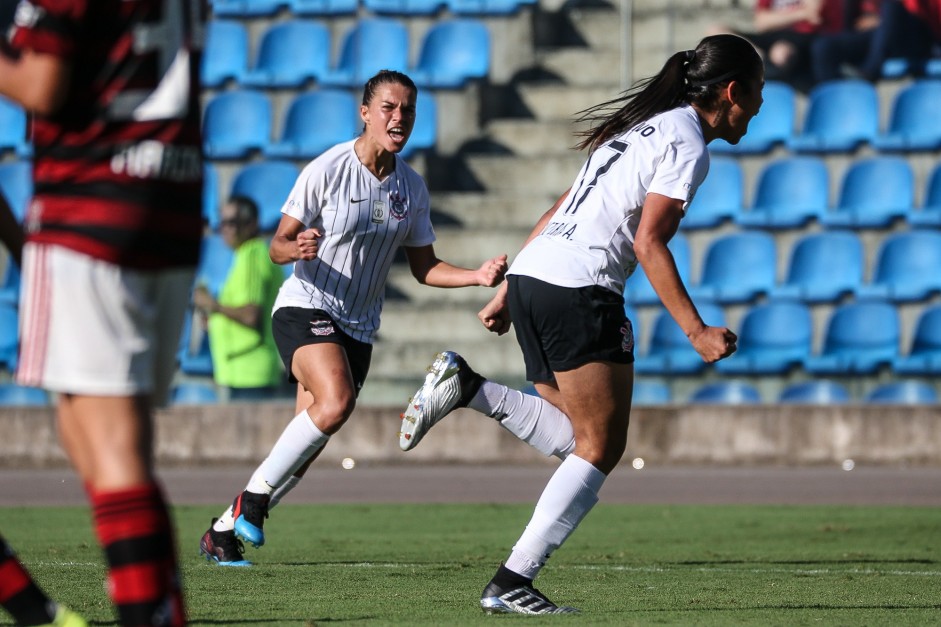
(19, 594)
(134, 529)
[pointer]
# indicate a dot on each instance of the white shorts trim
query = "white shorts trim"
(90, 327)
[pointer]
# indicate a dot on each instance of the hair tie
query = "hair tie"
(690, 54)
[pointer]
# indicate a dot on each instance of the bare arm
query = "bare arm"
(779, 19)
(429, 270)
(11, 232)
(658, 224)
(495, 315)
(39, 82)
(247, 315)
(293, 241)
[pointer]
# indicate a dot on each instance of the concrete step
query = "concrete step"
(471, 247)
(493, 356)
(561, 102)
(599, 27)
(583, 66)
(531, 138)
(551, 174)
(481, 210)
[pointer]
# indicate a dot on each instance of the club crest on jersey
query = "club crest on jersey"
(398, 208)
(627, 341)
(321, 327)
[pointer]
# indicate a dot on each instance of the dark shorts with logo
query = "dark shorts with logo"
(294, 327)
(561, 328)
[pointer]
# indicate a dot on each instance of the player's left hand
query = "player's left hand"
(492, 271)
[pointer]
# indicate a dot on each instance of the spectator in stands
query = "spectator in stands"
(906, 29)
(244, 356)
(783, 32)
(350, 210)
(112, 245)
(647, 157)
(842, 54)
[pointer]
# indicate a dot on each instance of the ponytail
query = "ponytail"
(688, 77)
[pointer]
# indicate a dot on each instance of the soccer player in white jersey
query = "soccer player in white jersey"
(647, 156)
(350, 210)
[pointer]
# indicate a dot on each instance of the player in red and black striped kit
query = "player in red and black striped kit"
(113, 238)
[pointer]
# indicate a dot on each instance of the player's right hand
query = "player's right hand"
(308, 243)
(495, 315)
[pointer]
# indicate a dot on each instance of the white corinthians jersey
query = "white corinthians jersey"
(363, 220)
(590, 238)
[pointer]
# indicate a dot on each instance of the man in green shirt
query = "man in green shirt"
(244, 356)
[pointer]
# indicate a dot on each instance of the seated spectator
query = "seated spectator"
(908, 29)
(843, 54)
(784, 31)
(244, 356)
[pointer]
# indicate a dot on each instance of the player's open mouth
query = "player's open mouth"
(397, 133)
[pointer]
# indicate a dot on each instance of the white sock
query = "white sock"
(568, 497)
(282, 490)
(299, 440)
(532, 419)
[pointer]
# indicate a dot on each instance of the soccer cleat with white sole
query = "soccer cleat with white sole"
(521, 599)
(449, 384)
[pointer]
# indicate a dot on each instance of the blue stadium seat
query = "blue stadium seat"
(650, 393)
(291, 54)
(193, 393)
(226, 55)
(924, 357)
(930, 213)
(486, 7)
(823, 267)
(235, 124)
(726, 393)
(452, 53)
(16, 185)
(10, 284)
(907, 267)
(9, 336)
(639, 291)
(13, 129)
(371, 45)
(915, 124)
(670, 351)
(425, 133)
(860, 338)
(738, 268)
(775, 338)
(317, 121)
(903, 393)
(211, 196)
(874, 193)
(816, 392)
(404, 7)
(773, 125)
(194, 355)
(215, 259)
(323, 7)
(719, 198)
(246, 8)
(841, 115)
(791, 192)
(13, 395)
(268, 183)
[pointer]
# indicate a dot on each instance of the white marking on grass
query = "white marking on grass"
(761, 571)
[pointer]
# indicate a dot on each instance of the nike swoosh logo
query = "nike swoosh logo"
(357, 200)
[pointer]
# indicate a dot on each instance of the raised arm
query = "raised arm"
(293, 241)
(428, 269)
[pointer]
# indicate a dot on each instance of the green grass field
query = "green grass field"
(626, 565)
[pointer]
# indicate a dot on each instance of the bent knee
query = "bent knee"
(330, 414)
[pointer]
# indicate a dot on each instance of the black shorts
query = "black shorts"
(561, 328)
(294, 327)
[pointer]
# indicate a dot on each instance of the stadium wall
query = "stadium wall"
(678, 434)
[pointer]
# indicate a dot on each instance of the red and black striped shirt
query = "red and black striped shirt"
(118, 168)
